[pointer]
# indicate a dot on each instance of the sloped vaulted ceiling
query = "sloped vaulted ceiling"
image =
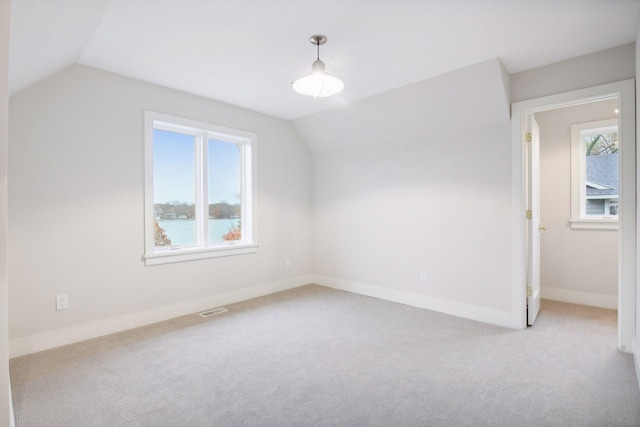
(464, 99)
(246, 52)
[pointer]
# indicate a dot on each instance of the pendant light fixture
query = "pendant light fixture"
(318, 83)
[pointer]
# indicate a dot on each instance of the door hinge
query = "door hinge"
(529, 291)
(529, 214)
(527, 137)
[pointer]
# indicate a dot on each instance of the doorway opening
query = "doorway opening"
(578, 201)
(527, 228)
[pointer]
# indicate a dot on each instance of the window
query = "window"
(199, 182)
(594, 174)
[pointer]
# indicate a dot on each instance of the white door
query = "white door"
(533, 219)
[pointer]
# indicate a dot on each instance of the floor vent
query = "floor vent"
(213, 312)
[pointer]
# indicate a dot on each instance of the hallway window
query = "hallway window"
(595, 174)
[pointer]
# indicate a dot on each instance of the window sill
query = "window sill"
(594, 224)
(196, 254)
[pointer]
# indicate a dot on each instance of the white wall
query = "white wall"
(434, 195)
(637, 301)
(467, 98)
(420, 183)
(585, 73)
(577, 265)
(76, 211)
(598, 68)
(6, 417)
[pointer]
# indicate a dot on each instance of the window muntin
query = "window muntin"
(595, 174)
(199, 190)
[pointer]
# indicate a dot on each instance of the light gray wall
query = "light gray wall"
(637, 331)
(441, 204)
(467, 98)
(76, 203)
(434, 194)
(5, 393)
(607, 66)
(571, 259)
(619, 64)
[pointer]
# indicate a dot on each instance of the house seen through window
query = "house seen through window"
(199, 190)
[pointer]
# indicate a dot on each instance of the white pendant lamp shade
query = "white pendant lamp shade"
(318, 83)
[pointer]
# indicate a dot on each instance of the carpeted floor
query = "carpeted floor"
(314, 356)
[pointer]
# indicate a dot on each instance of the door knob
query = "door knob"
(542, 227)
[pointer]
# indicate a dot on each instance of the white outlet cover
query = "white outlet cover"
(62, 302)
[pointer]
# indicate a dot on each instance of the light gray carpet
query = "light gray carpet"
(314, 356)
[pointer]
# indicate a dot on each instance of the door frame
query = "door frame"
(625, 90)
(532, 205)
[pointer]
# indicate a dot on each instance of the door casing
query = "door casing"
(627, 259)
(532, 155)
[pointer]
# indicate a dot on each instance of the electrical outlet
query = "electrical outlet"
(423, 276)
(287, 262)
(62, 302)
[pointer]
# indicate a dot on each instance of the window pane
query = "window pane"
(225, 191)
(601, 151)
(174, 188)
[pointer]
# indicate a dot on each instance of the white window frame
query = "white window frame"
(202, 132)
(579, 218)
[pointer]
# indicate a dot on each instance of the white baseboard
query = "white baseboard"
(581, 298)
(636, 362)
(12, 417)
(481, 314)
(60, 337)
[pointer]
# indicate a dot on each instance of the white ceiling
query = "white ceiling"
(246, 52)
